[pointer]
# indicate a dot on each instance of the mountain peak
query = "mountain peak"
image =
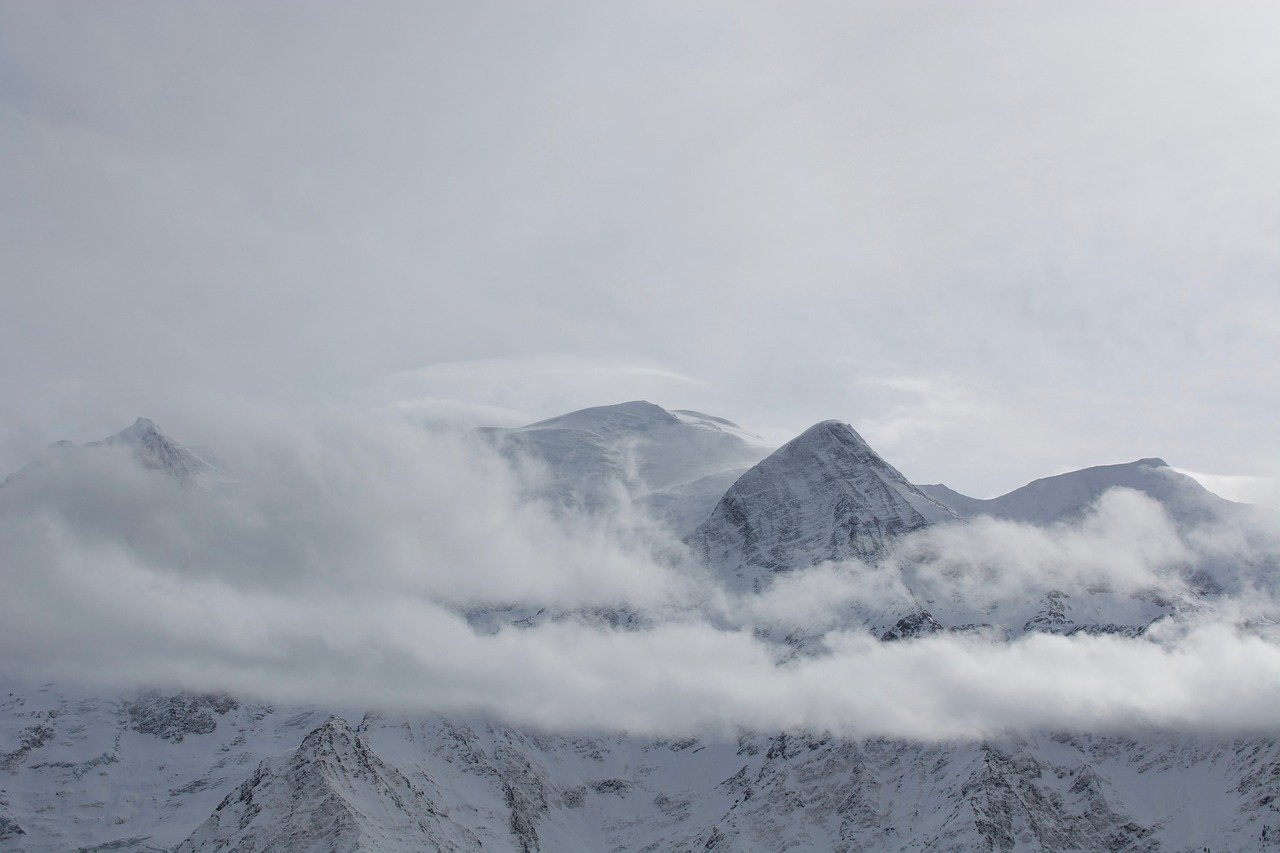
(153, 449)
(636, 415)
(332, 793)
(1067, 496)
(831, 432)
(823, 496)
(587, 454)
(142, 431)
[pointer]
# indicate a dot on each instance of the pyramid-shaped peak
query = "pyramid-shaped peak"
(830, 431)
(332, 731)
(143, 429)
(823, 496)
(833, 446)
(332, 793)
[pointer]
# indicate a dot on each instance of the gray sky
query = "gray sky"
(1003, 240)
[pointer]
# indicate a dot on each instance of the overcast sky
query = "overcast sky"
(1002, 240)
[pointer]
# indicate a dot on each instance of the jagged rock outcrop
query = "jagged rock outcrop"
(176, 716)
(918, 624)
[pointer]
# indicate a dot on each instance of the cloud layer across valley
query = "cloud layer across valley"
(342, 566)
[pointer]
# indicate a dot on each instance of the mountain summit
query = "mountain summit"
(675, 463)
(150, 448)
(1067, 496)
(157, 451)
(824, 495)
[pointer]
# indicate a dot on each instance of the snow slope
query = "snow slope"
(1066, 496)
(676, 463)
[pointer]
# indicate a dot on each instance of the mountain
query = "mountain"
(154, 770)
(1066, 496)
(332, 793)
(675, 463)
(825, 495)
(149, 447)
(82, 775)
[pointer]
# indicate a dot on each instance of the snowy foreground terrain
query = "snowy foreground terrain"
(159, 769)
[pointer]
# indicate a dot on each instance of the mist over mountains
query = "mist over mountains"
(529, 633)
(639, 427)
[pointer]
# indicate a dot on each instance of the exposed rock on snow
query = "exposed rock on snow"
(173, 717)
(918, 624)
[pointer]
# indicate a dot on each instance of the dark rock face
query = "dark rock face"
(9, 828)
(174, 717)
(33, 737)
(918, 624)
(1052, 617)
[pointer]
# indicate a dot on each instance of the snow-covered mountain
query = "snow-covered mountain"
(332, 793)
(1067, 496)
(823, 496)
(675, 463)
(828, 497)
(149, 447)
(94, 774)
(157, 770)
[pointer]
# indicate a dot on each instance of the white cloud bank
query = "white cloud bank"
(335, 571)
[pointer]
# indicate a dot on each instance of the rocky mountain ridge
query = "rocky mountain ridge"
(272, 778)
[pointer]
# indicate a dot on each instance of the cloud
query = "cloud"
(680, 677)
(545, 385)
(776, 203)
(338, 501)
(339, 568)
(458, 415)
(1125, 541)
(1263, 491)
